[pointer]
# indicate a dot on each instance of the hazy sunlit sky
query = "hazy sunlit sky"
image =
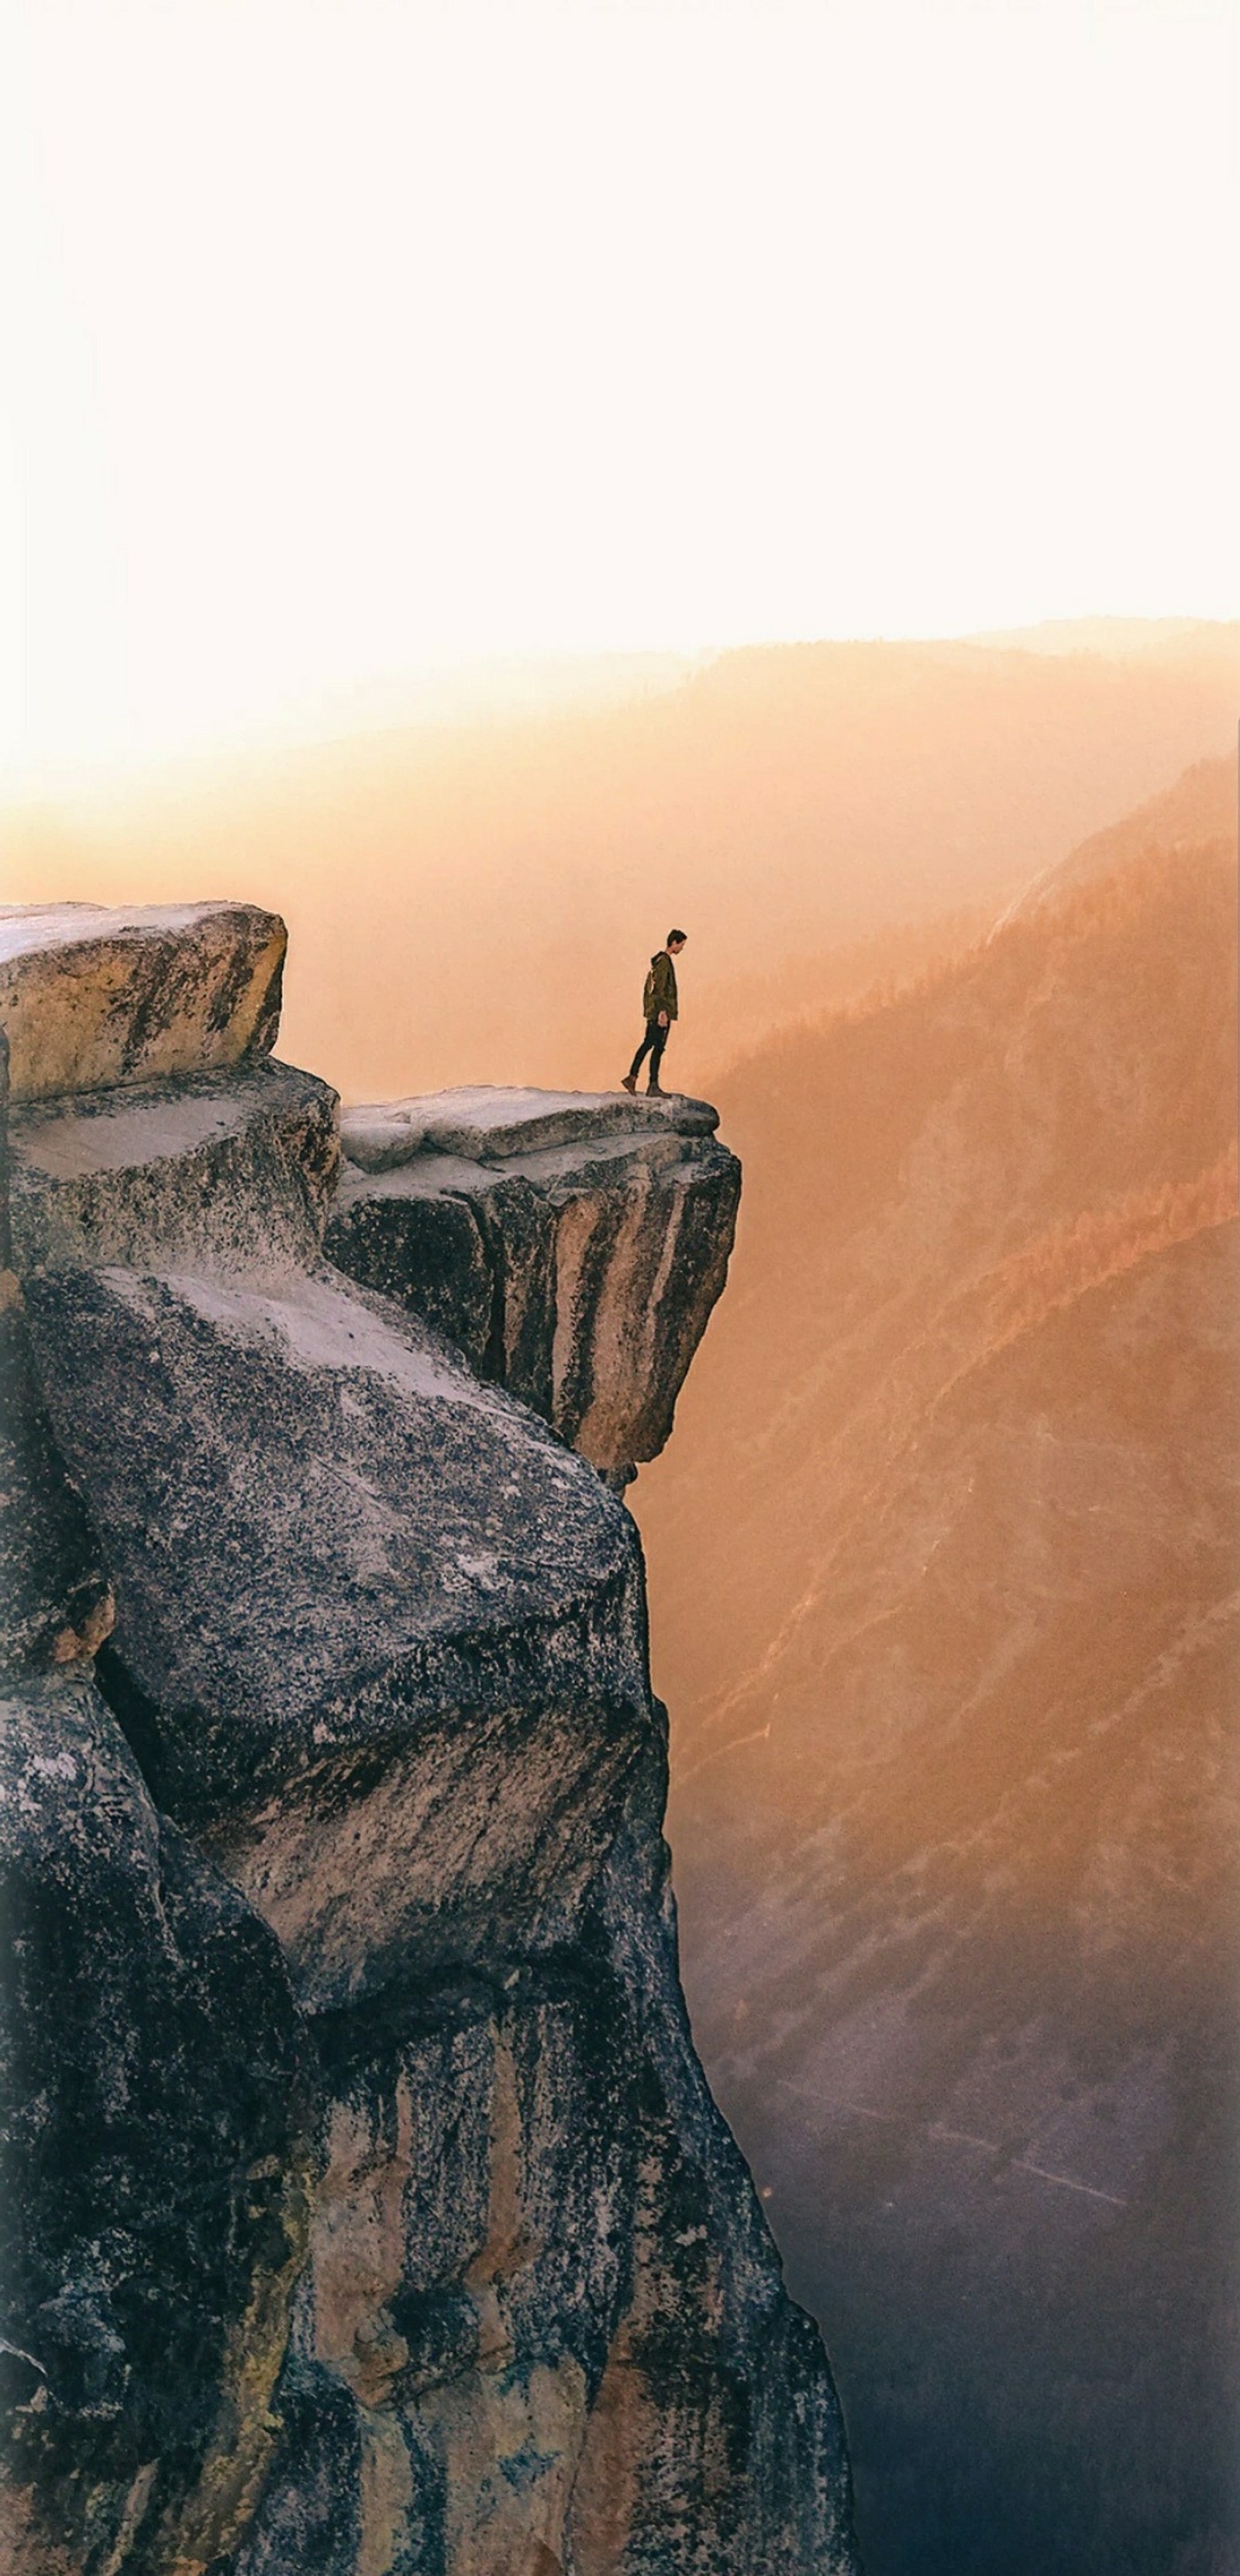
(342, 338)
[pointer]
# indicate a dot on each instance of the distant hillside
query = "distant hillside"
(1197, 811)
(477, 901)
(749, 1008)
(1111, 635)
(944, 1568)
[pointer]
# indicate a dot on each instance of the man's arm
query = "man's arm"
(665, 989)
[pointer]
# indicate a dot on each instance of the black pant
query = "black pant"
(652, 1045)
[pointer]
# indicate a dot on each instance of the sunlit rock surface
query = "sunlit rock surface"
(571, 1244)
(380, 2218)
(92, 998)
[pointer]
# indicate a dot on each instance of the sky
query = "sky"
(345, 340)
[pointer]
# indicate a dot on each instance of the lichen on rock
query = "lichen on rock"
(378, 2216)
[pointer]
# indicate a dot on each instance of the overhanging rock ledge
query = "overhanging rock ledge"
(572, 1244)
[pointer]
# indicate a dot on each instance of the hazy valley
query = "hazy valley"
(944, 1577)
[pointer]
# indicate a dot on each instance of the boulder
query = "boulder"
(92, 998)
(379, 1636)
(219, 1172)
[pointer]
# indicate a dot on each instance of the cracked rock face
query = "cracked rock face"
(571, 1244)
(378, 2221)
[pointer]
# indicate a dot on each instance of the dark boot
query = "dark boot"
(628, 1082)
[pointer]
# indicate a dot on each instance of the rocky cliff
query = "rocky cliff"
(374, 2212)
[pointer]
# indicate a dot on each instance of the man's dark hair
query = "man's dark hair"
(675, 934)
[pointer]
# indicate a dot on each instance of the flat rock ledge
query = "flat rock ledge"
(571, 1244)
(363, 2208)
(488, 1123)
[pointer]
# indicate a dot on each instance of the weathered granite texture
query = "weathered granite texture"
(91, 998)
(154, 2160)
(55, 1597)
(571, 1244)
(226, 1170)
(154, 2102)
(379, 1636)
(486, 1121)
(380, 2223)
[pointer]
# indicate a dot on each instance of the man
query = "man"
(658, 1011)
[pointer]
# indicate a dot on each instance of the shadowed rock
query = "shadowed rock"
(228, 1171)
(153, 2174)
(55, 1598)
(152, 2161)
(572, 1245)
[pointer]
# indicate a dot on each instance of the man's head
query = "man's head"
(675, 941)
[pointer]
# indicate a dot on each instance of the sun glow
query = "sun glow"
(350, 339)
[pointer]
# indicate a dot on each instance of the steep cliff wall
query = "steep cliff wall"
(378, 2217)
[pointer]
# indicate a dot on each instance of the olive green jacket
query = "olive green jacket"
(660, 992)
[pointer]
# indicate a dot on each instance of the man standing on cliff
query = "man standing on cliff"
(659, 1009)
